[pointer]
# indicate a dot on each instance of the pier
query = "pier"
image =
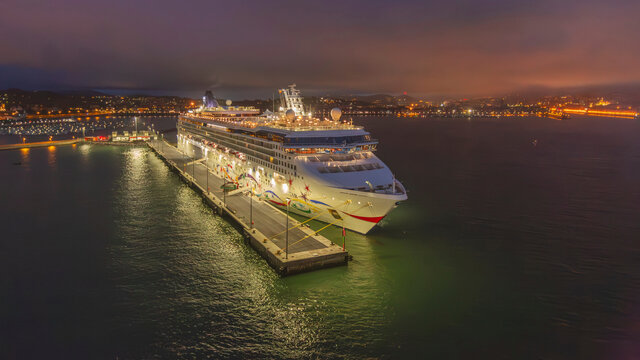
(288, 245)
(39, 144)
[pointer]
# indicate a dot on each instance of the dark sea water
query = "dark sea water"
(520, 240)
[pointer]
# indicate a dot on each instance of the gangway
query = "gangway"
(195, 161)
(237, 191)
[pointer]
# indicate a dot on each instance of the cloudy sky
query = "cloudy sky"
(247, 48)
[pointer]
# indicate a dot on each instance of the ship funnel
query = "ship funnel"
(208, 101)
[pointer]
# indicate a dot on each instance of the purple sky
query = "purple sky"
(248, 48)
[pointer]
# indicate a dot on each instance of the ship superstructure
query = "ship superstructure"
(291, 99)
(322, 169)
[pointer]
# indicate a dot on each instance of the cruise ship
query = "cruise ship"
(324, 169)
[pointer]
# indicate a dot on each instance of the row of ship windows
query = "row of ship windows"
(231, 144)
(211, 131)
(377, 188)
(349, 168)
(286, 163)
(278, 166)
(339, 157)
(328, 140)
(238, 134)
(239, 141)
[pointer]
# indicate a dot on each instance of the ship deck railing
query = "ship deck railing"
(294, 127)
(256, 121)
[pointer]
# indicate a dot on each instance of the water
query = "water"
(505, 249)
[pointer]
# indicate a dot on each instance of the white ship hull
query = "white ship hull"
(308, 195)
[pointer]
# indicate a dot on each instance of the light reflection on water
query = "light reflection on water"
(24, 157)
(52, 156)
(85, 151)
(203, 260)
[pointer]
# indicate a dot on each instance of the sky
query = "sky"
(246, 49)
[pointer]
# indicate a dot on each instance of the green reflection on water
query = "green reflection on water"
(194, 274)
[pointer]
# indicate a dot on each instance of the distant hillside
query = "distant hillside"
(624, 93)
(52, 94)
(62, 102)
(82, 93)
(381, 99)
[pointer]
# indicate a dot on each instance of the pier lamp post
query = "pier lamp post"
(251, 207)
(344, 236)
(287, 235)
(186, 159)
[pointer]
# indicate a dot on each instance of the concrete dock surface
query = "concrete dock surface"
(268, 234)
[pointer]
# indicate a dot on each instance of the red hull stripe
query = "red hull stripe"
(375, 219)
